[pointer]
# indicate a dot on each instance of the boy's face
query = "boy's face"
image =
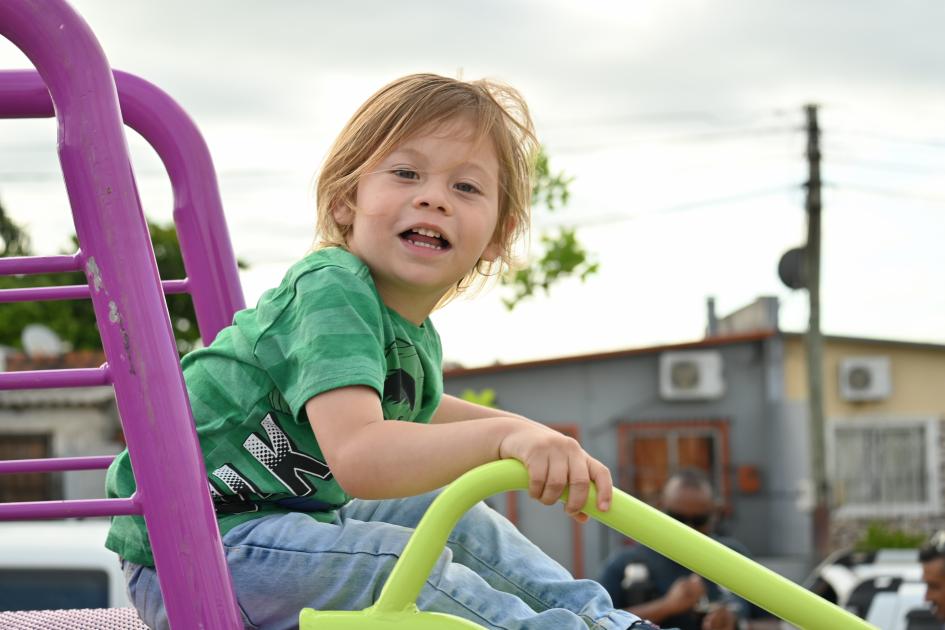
(426, 215)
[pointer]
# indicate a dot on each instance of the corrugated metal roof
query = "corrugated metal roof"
(708, 342)
(618, 354)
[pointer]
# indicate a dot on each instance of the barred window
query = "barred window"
(885, 466)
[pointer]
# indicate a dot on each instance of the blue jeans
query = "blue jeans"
(489, 573)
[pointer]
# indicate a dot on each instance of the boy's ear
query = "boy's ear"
(495, 249)
(492, 251)
(342, 213)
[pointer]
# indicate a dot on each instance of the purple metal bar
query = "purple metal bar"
(198, 211)
(24, 96)
(97, 462)
(45, 379)
(38, 264)
(74, 292)
(70, 509)
(131, 312)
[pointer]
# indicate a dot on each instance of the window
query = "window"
(884, 466)
(652, 451)
(27, 486)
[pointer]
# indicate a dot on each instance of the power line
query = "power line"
(872, 135)
(754, 158)
(696, 137)
(899, 167)
(682, 207)
(888, 192)
(708, 117)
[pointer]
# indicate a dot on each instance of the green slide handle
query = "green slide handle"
(634, 519)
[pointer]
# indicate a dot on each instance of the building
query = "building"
(884, 408)
(69, 422)
(735, 405)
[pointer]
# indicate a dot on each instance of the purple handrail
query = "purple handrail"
(75, 508)
(198, 212)
(132, 316)
(75, 292)
(211, 266)
(95, 462)
(44, 379)
(37, 264)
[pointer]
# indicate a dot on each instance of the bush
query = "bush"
(882, 536)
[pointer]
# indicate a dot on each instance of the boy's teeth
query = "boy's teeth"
(422, 244)
(426, 232)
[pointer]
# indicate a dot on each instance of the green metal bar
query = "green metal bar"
(629, 516)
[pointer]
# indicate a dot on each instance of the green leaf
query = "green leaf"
(74, 320)
(561, 254)
(485, 397)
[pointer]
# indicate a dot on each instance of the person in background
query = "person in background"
(932, 557)
(656, 588)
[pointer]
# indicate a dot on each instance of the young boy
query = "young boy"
(320, 412)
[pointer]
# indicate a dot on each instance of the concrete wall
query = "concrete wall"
(918, 372)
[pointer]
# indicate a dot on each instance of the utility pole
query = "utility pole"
(815, 353)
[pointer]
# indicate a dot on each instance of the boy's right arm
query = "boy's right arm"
(375, 459)
(372, 458)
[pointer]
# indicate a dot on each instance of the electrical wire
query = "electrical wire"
(886, 192)
(898, 167)
(696, 137)
(872, 135)
(683, 207)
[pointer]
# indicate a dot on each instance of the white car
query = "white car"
(884, 587)
(902, 609)
(58, 564)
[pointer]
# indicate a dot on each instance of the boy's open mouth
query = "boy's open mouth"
(424, 237)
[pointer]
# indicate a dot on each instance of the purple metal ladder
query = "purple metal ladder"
(74, 83)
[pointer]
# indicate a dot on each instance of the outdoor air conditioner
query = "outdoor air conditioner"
(865, 378)
(691, 375)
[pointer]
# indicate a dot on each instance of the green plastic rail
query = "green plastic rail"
(396, 608)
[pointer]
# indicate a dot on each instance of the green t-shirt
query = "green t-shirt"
(323, 328)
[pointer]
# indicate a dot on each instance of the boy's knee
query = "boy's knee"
(484, 517)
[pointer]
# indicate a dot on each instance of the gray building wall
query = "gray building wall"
(598, 393)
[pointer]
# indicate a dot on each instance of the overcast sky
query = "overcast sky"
(680, 122)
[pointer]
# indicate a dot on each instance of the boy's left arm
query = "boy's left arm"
(453, 409)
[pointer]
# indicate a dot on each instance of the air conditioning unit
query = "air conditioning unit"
(865, 378)
(691, 375)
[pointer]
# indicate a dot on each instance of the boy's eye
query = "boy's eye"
(466, 187)
(405, 173)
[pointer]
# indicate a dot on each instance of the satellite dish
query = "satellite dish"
(40, 341)
(792, 268)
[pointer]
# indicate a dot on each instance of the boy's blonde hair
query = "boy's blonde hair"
(414, 104)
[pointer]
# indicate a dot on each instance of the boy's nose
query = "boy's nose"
(431, 200)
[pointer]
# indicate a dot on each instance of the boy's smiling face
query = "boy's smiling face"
(426, 214)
